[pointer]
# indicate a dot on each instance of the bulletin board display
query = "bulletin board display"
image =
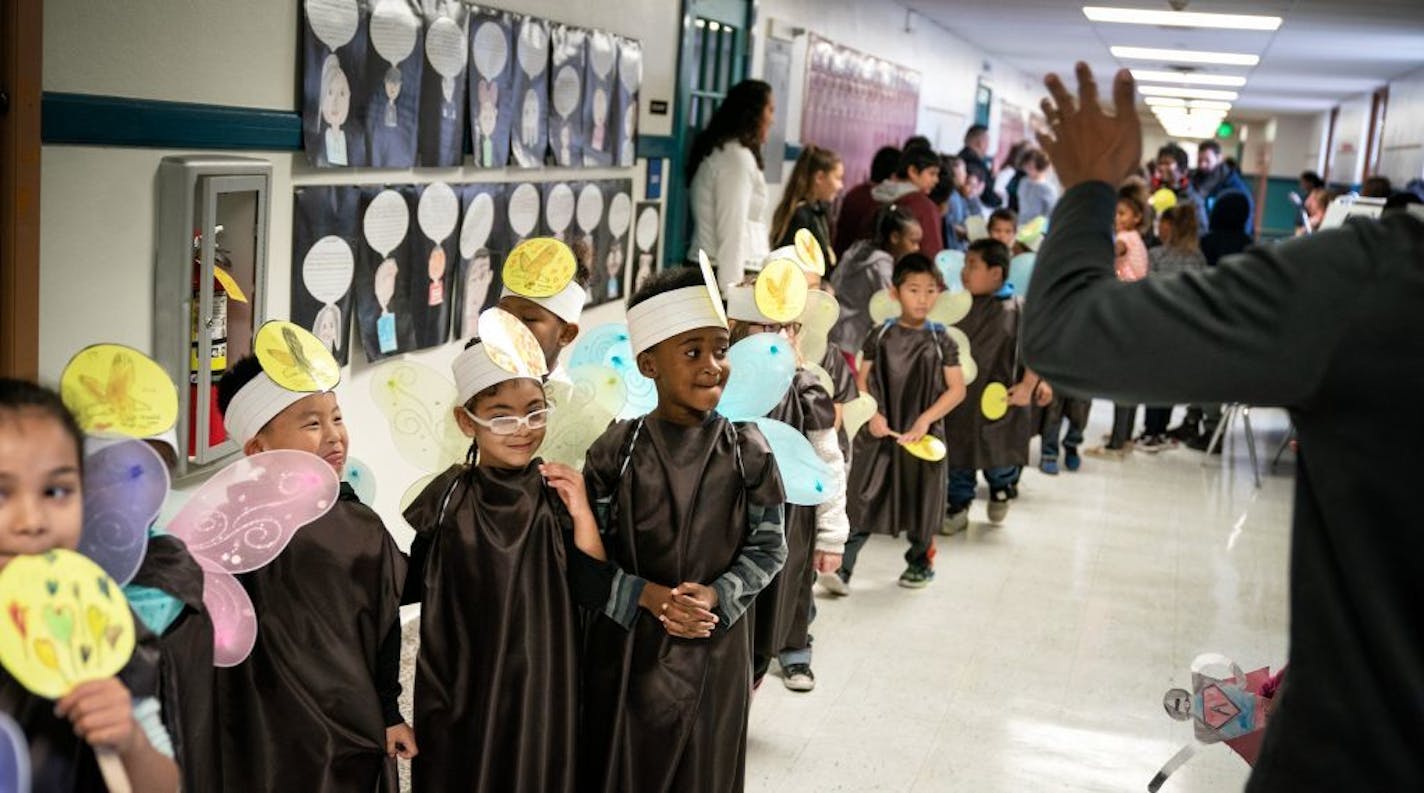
(855, 103)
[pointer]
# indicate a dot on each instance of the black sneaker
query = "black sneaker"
(798, 677)
(916, 577)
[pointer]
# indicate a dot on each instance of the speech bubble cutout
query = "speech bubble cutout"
(601, 53)
(567, 87)
(386, 222)
(327, 268)
(333, 21)
(620, 213)
(479, 222)
(116, 390)
(590, 207)
(559, 209)
(437, 211)
(445, 47)
(490, 49)
(393, 30)
(648, 229)
(630, 66)
(533, 47)
(524, 209)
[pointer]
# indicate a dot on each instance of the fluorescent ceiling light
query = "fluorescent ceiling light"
(1185, 56)
(1165, 101)
(1188, 19)
(1186, 93)
(1208, 104)
(1228, 80)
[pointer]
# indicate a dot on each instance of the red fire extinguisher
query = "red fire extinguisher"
(224, 287)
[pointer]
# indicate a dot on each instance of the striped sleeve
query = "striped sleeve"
(762, 556)
(149, 715)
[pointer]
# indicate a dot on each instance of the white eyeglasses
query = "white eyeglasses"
(509, 425)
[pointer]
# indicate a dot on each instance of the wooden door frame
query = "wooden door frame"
(21, 34)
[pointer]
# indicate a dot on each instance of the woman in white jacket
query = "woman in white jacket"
(729, 202)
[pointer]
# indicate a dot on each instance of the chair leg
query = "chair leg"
(1228, 414)
(1251, 444)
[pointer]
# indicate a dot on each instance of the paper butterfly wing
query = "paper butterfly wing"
(583, 409)
(822, 311)
(951, 268)
(419, 404)
(763, 367)
(883, 307)
(856, 412)
(1021, 270)
(608, 345)
(966, 354)
(951, 307)
(595, 344)
(234, 618)
(124, 488)
(361, 479)
(805, 477)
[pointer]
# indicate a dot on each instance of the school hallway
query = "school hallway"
(1038, 658)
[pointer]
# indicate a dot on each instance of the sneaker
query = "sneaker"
(1105, 453)
(798, 677)
(956, 521)
(916, 577)
(1071, 460)
(1049, 466)
(999, 507)
(837, 583)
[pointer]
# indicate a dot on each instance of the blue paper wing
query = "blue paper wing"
(597, 344)
(805, 476)
(124, 488)
(763, 367)
(1021, 270)
(362, 480)
(951, 265)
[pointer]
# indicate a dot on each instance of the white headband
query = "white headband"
(475, 371)
(742, 306)
(661, 317)
(566, 305)
(255, 404)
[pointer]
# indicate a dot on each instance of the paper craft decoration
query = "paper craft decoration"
(928, 448)
(809, 251)
(1233, 709)
(855, 413)
(966, 354)
(1163, 200)
(362, 480)
(598, 99)
(582, 409)
(325, 233)
(491, 85)
(951, 307)
(14, 757)
(609, 345)
(804, 475)
(1020, 271)
(419, 403)
(412, 492)
(384, 268)
(393, 81)
(539, 268)
(566, 132)
(763, 367)
(437, 212)
(124, 487)
(977, 227)
(482, 245)
(239, 521)
(883, 307)
(295, 359)
(951, 268)
(510, 345)
(820, 315)
(612, 241)
(709, 278)
(441, 132)
(625, 106)
(994, 403)
(1031, 233)
(530, 135)
(559, 198)
(646, 232)
(334, 47)
(781, 290)
(523, 212)
(116, 390)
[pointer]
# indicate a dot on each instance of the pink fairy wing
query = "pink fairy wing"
(124, 487)
(234, 620)
(243, 517)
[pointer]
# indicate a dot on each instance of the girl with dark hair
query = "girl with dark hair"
(815, 182)
(728, 190)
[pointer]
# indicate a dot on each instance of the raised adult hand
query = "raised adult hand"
(1085, 143)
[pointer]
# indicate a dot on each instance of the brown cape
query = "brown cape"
(974, 441)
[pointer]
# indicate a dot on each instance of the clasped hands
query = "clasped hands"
(685, 610)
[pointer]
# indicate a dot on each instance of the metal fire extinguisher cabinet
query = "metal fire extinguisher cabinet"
(212, 214)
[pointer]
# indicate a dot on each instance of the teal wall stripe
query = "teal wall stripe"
(119, 121)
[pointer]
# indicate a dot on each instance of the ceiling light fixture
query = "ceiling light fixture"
(1186, 93)
(1227, 80)
(1187, 19)
(1165, 101)
(1185, 56)
(1209, 104)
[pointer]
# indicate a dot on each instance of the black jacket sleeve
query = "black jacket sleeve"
(388, 685)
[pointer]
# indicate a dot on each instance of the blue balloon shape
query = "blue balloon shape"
(951, 265)
(1021, 270)
(804, 475)
(763, 367)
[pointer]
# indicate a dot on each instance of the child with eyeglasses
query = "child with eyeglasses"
(506, 551)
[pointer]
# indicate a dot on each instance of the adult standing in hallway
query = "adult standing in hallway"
(1215, 177)
(1172, 175)
(975, 155)
(729, 201)
(1313, 324)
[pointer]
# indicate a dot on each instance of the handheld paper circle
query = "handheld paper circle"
(386, 221)
(857, 412)
(327, 268)
(808, 250)
(361, 479)
(781, 290)
(710, 279)
(804, 475)
(418, 403)
(590, 207)
(601, 53)
(966, 354)
(524, 209)
(620, 213)
(333, 21)
(927, 448)
(393, 29)
(1163, 200)
(646, 234)
(478, 223)
(995, 401)
(951, 268)
(510, 345)
(1021, 271)
(124, 488)
(533, 47)
(294, 358)
(242, 518)
(14, 757)
(66, 622)
(445, 47)
(883, 307)
(559, 207)
(116, 390)
(566, 90)
(950, 307)
(234, 618)
(490, 49)
(437, 211)
(763, 367)
(540, 267)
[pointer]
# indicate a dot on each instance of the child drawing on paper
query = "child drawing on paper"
(600, 118)
(385, 290)
(436, 270)
(477, 282)
(393, 89)
(565, 144)
(613, 263)
(335, 107)
(625, 155)
(530, 127)
(447, 87)
(488, 95)
(327, 327)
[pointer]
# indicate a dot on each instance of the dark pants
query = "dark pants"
(1208, 416)
(1076, 412)
(1124, 419)
(1157, 420)
(961, 484)
(921, 554)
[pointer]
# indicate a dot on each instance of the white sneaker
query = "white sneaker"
(999, 509)
(798, 677)
(833, 584)
(954, 523)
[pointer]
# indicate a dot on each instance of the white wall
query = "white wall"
(1402, 150)
(1351, 127)
(1297, 144)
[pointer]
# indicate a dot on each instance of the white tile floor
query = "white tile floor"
(1038, 658)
